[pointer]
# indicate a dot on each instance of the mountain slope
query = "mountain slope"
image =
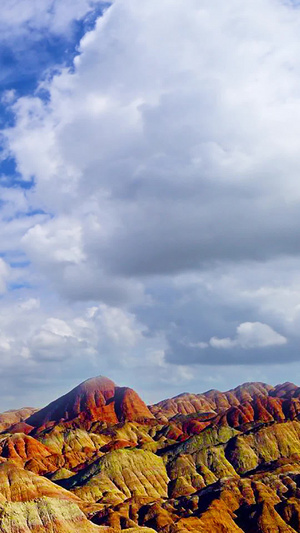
(31, 503)
(223, 462)
(95, 399)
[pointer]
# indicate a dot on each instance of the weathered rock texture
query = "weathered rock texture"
(98, 459)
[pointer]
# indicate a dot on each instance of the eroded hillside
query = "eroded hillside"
(99, 459)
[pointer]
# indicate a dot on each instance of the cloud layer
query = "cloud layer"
(166, 191)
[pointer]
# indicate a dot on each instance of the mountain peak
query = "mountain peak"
(96, 399)
(98, 382)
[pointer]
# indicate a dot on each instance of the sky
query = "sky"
(149, 195)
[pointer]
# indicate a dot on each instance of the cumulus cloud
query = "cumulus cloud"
(95, 332)
(250, 335)
(166, 191)
(52, 346)
(173, 158)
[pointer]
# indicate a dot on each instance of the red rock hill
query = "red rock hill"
(96, 399)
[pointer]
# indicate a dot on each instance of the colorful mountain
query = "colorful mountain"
(98, 459)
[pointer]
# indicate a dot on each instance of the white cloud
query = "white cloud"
(28, 305)
(118, 326)
(107, 331)
(150, 131)
(222, 343)
(167, 166)
(59, 241)
(24, 16)
(250, 335)
(32, 329)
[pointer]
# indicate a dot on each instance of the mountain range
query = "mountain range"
(99, 459)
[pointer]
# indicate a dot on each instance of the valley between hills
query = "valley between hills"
(99, 460)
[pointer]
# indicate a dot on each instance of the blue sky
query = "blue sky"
(149, 209)
(28, 59)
